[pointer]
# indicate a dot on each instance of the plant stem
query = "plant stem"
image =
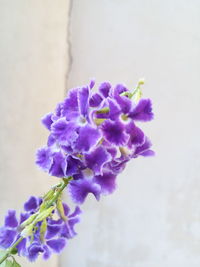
(9, 251)
(59, 189)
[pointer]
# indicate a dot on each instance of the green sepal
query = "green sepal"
(60, 209)
(28, 221)
(28, 230)
(44, 214)
(43, 230)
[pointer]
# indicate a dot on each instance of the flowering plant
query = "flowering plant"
(92, 135)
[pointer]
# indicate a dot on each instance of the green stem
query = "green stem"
(9, 251)
(58, 191)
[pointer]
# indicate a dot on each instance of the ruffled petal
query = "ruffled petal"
(44, 158)
(73, 165)
(83, 97)
(72, 222)
(57, 245)
(95, 100)
(76, 212)
(31, 204)
(47, 120)
(137, 136)
(79, 190)
(11, 220)
(96, 159)
(123, 101)
(143, 111)
(114, 132)
(33, 251)
(144, 150)
(52, 231)
(64, 131)
(47, 253)
(92, 83)
(21, 247)
(7, 237)
(88, 137)
(106, 181)
(104, 88)
(70, 105)
(59, 165)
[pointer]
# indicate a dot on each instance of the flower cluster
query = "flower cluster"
(93, 134)
(41, 235)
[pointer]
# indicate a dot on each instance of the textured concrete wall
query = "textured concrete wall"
(33, 64)
(153, 219)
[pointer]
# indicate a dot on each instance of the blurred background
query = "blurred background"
(47, 47)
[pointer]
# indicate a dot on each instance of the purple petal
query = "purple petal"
(64, 131)
(95, 100)
(72, 223)
(96, 159)
(31, 204)
(106, 181)
(79, 190)
(52, 230)
(59, 165)
(10, 219)
(92, 83)
(118, 165)
(65, 231)
(124, 102)
(114, 132)
(47, 252)
(55, 222)
(33, 251)
(66, 209)
(143, 111)
(70, 106)
(73, 165)
(51, 140)
(57, 245)
(143, 150)
(88, 137)
(58, 109)
(23, 217)
(83, 95)
(21, 247)
(43, 158)
(136, 135)
(104, 88)
(7, 237)
(114, 109)
(47, 120)
(76, 212)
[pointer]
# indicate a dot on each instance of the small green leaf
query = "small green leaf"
(8, 263)
(15, 264)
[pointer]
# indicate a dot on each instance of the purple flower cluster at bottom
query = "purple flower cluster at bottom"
(56, 234)
(93, 134)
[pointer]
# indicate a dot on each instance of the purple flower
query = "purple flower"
(97, 159)
(114, 132)
(107, 181)
(79, 190)
(44, 158)
(55, 239)
(95, 131)
(142, 111)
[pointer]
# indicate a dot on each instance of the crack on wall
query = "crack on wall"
(69, 45)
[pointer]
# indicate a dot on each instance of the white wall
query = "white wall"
(33, 63)
(153, 219)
